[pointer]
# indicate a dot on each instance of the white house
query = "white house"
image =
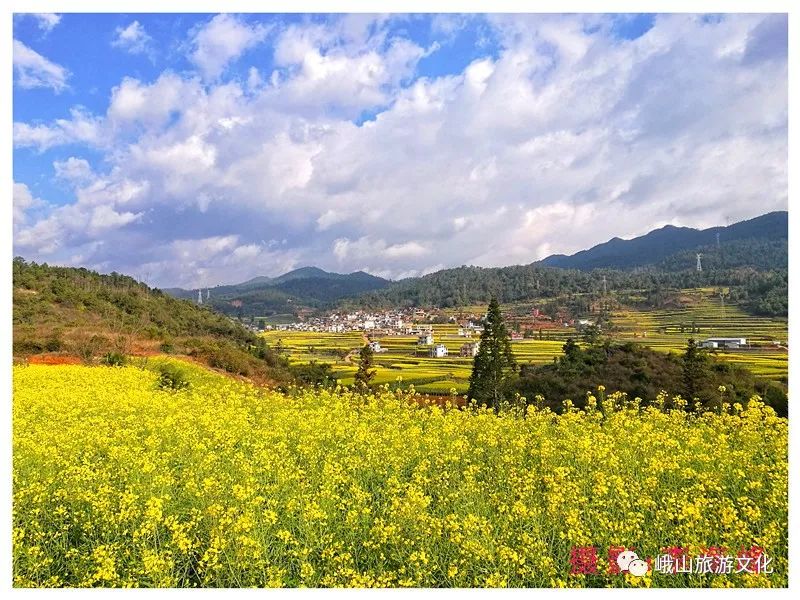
(723, 342)
(375, 346)
(439, 351)
(426, 339)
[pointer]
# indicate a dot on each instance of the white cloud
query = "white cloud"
(76, 170)
(325, 68)
(221, 41)
(23, 202)
(133, 39)
(81, 127)
(558, 139)
(135, 103)
(46, 21)
(34, 70)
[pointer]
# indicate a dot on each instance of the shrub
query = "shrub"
(55, 342)
(172, 377)
(115, 359)
(86, 347)
(27, 346)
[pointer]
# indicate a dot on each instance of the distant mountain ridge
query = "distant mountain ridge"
(659, 244)
(310, 286)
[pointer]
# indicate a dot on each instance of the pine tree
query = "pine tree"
(694, 370)
(494, 362)
(365, 372)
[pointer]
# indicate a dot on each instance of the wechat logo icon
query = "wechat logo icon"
(629, 561)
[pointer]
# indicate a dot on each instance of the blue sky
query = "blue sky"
(84, 45)
(203, 149)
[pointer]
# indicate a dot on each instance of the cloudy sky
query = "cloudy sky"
(203, 149)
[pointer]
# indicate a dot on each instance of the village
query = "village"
(437, 330)
(420, 323)
(411, 321)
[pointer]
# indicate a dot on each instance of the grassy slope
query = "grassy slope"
(76, 312)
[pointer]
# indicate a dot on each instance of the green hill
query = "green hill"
(75, 312)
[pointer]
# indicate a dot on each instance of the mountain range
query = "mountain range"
(662, 243)
(760, 243)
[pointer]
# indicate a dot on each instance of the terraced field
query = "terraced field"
(404, 363)
(702, 317)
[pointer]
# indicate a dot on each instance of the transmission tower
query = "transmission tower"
(199, 296)
(718, 239)
(699, 265)
(605, 290)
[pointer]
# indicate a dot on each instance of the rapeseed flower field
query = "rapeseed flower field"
(119, 483)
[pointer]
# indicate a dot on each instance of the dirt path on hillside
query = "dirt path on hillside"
(349, 357)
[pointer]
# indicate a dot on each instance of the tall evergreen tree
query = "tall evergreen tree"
(365, 372)
(694, 370)
(489, 382)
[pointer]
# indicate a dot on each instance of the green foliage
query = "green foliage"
(172, 377)
(55, 341)
(115, 359)
(641, 372)
(44, 295)
(591, 334)
(759, 291)
(489, 382)
(758, 254)
(51, 301)
(273, 357)
(365, 373)
(766, 294)
(314, 373)
(694, 368)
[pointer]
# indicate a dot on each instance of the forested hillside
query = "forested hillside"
(92, 316)
(466, 286)
(750, 258)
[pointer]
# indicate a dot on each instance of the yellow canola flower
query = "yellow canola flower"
(117, 483)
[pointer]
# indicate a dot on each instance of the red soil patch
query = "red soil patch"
(53, 359)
